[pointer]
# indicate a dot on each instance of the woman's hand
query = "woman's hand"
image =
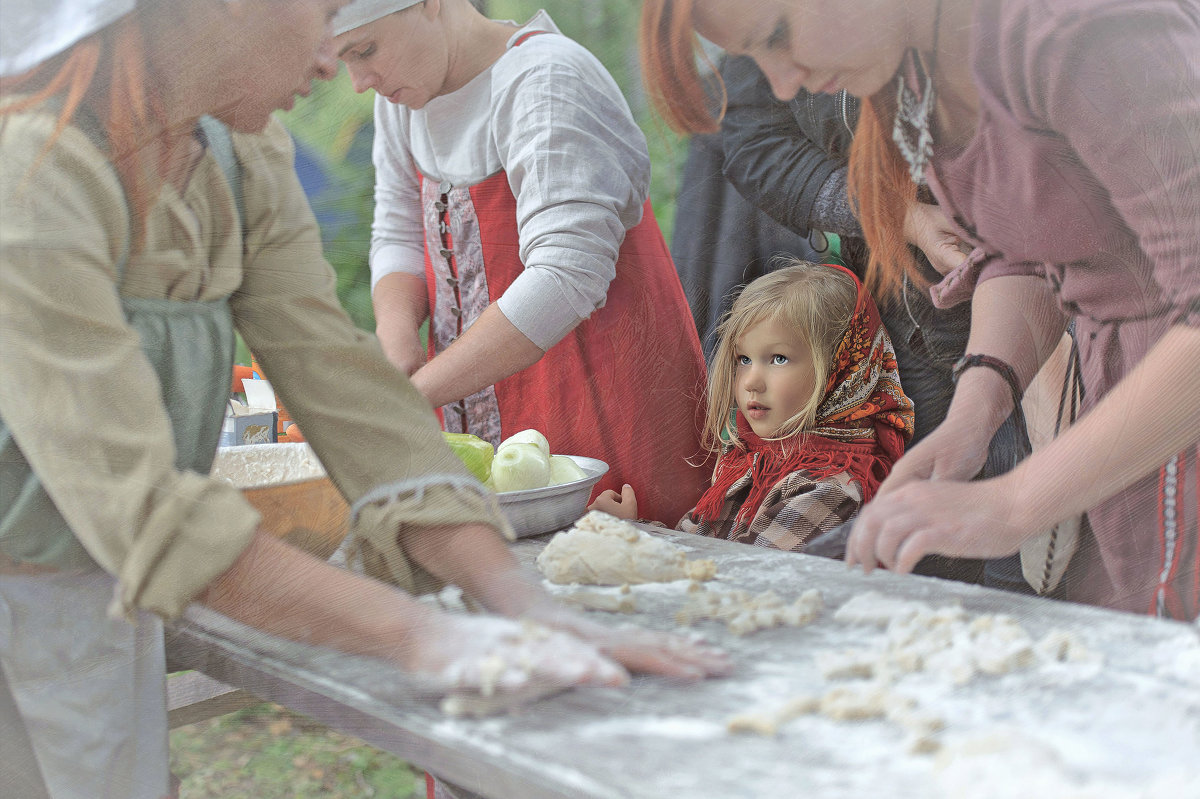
(950, 452)
(638, 649)
(944, 517)
(623, 506)
(401, 305)
(489, 653)
(928, 229)
(403, 350)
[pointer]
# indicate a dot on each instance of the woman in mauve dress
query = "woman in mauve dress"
(1063, 138)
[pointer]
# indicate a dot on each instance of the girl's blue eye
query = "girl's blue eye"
(742, 360)
(779, 360)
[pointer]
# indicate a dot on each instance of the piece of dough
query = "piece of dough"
(604, 550)
(745, 613)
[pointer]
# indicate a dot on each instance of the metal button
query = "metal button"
(439, 205)
(452, 282)
(445, 253)
(456, 311)
(444, 187)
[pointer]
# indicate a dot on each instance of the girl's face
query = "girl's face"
(281, 46)
(404, 56)
(774, 376)
(816, 45)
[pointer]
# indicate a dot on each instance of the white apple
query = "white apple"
(529, 436)
(518, 467)
(564, 470)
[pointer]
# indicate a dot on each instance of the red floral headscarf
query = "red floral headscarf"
(861, 425)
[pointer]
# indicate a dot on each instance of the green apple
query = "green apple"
(518, 467)
(564, 470)
(529, 436)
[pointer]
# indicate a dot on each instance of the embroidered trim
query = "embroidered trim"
(1169, 488)
(391, 492)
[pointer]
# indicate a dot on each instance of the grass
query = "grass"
(267, 752)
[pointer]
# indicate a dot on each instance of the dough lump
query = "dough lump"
(604, 550)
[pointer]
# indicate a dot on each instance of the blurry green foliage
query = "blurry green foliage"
(335, 124)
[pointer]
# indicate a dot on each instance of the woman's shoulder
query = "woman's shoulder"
(30, 138)
(1056, 27)
(47, 176)
(544, 51)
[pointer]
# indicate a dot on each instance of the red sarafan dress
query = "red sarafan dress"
(624, 386)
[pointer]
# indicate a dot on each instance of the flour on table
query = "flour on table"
(604, 550)
(621, 602)
(1007, 763)
(744, 612)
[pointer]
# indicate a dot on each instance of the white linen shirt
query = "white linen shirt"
(550, 116)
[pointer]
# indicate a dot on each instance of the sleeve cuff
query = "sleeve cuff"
(544, 308)
(162, 572)
(437, 500)
(389, 258)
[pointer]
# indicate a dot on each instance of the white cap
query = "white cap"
(360, 12)
(33, 30)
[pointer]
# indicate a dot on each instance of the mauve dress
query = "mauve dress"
(1085, 169)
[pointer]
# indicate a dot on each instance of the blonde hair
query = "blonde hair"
(107, 74)
(818, 301)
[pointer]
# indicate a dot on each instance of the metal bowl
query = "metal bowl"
(544, 510)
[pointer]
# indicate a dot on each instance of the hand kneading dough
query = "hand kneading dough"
(604, 550)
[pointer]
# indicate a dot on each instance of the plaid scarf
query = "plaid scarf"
(861, 425)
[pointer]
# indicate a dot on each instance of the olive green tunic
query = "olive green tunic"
(84, 419)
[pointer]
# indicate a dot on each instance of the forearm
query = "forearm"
(477, 560)
(401, 305)
(489, 351)
(281, 590)
(1016, 320)
(1129, 433)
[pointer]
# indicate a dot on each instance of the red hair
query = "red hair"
(881, 189)
(105, 72)
(668, 47)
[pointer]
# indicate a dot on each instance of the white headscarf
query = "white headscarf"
(33, 30)
(360, 12)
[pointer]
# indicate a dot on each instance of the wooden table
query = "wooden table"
(1129, 722)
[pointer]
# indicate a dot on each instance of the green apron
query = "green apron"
(191, 347)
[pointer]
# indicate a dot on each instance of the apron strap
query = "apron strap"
(220, 140)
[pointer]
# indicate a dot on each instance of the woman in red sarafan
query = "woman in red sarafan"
(512, 212)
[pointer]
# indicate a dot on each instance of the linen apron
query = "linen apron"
(622, 386)
(91, 689)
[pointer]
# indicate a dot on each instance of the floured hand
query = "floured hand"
(639, 649)
(489, 654)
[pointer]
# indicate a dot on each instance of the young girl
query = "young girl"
(818, 413)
